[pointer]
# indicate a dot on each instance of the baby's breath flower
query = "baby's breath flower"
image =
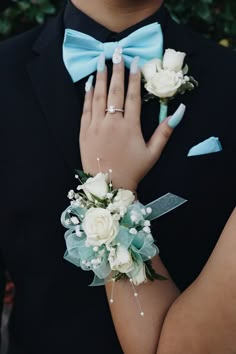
(74, 220)
(147, 229)
(133, 231)
(71, 194)
(147, 223)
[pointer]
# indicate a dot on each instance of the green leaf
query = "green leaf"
(49, 9)
(40, 17)
(23, 5)
(151, 273)
(5, 27)
(99, 200)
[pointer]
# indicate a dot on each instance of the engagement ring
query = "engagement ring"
(113, 109)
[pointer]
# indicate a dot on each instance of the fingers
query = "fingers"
(133, 98)
(100, 91)
(163, 132)
(116, 90)
(87, 108)
(176, 118)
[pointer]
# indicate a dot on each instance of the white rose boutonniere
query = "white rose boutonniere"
(166, 78)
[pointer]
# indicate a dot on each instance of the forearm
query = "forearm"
(199, 322)
(186, 327)
(140, 334)
(203, 319)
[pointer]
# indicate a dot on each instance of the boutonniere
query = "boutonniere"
(166, 78)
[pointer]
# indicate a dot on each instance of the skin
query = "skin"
(203, 318)
(117, 15)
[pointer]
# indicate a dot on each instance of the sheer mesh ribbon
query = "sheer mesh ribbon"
(141, 243)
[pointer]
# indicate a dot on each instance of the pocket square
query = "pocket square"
(207, 146)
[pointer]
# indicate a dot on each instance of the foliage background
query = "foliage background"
(213, 18)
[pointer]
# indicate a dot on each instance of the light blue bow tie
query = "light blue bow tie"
(81, 51)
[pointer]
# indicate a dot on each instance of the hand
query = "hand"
(116, 139)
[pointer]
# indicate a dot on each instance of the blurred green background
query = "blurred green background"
(213, 18)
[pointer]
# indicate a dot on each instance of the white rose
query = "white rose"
(121, 261)
(140, 277)
(173, 60)
(164, 84)
(123, 199)
(99, 226)
(95, 185)
(150, 68)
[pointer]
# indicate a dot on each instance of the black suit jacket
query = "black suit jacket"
(55, 311)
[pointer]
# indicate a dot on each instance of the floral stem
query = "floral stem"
(163, 112)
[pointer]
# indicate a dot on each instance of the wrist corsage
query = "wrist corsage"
(109, 232)
(166, 78)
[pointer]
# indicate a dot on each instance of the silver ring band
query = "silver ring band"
(113, 109)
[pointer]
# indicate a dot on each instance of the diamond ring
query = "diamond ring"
(113, 109)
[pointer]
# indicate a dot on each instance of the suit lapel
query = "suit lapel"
(55, 91)
(177, 37)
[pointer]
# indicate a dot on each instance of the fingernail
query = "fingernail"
(101, 63)
(134, 65)
(89, 84)
(117, 56)
(177, 116)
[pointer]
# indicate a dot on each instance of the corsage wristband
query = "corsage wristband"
(109, 232)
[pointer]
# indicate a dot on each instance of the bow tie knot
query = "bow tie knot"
(109, 49)
(81, 51)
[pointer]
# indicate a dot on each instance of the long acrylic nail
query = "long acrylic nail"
(134, 65)
(101, 63)
(117, 56)
(89, 84)
(177, 116)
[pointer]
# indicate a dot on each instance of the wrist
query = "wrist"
(118, 183)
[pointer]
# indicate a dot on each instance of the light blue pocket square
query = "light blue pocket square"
(207, 146)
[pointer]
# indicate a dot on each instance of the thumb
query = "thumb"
(163, 132)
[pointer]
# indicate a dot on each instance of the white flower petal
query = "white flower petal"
(95, 185)
(164, 84)
(99, 226)
(173, 60)
(150, 68)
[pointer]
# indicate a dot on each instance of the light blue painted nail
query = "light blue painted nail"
(134, 65)
(177, 116)
(101, 63)
(89, 84)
